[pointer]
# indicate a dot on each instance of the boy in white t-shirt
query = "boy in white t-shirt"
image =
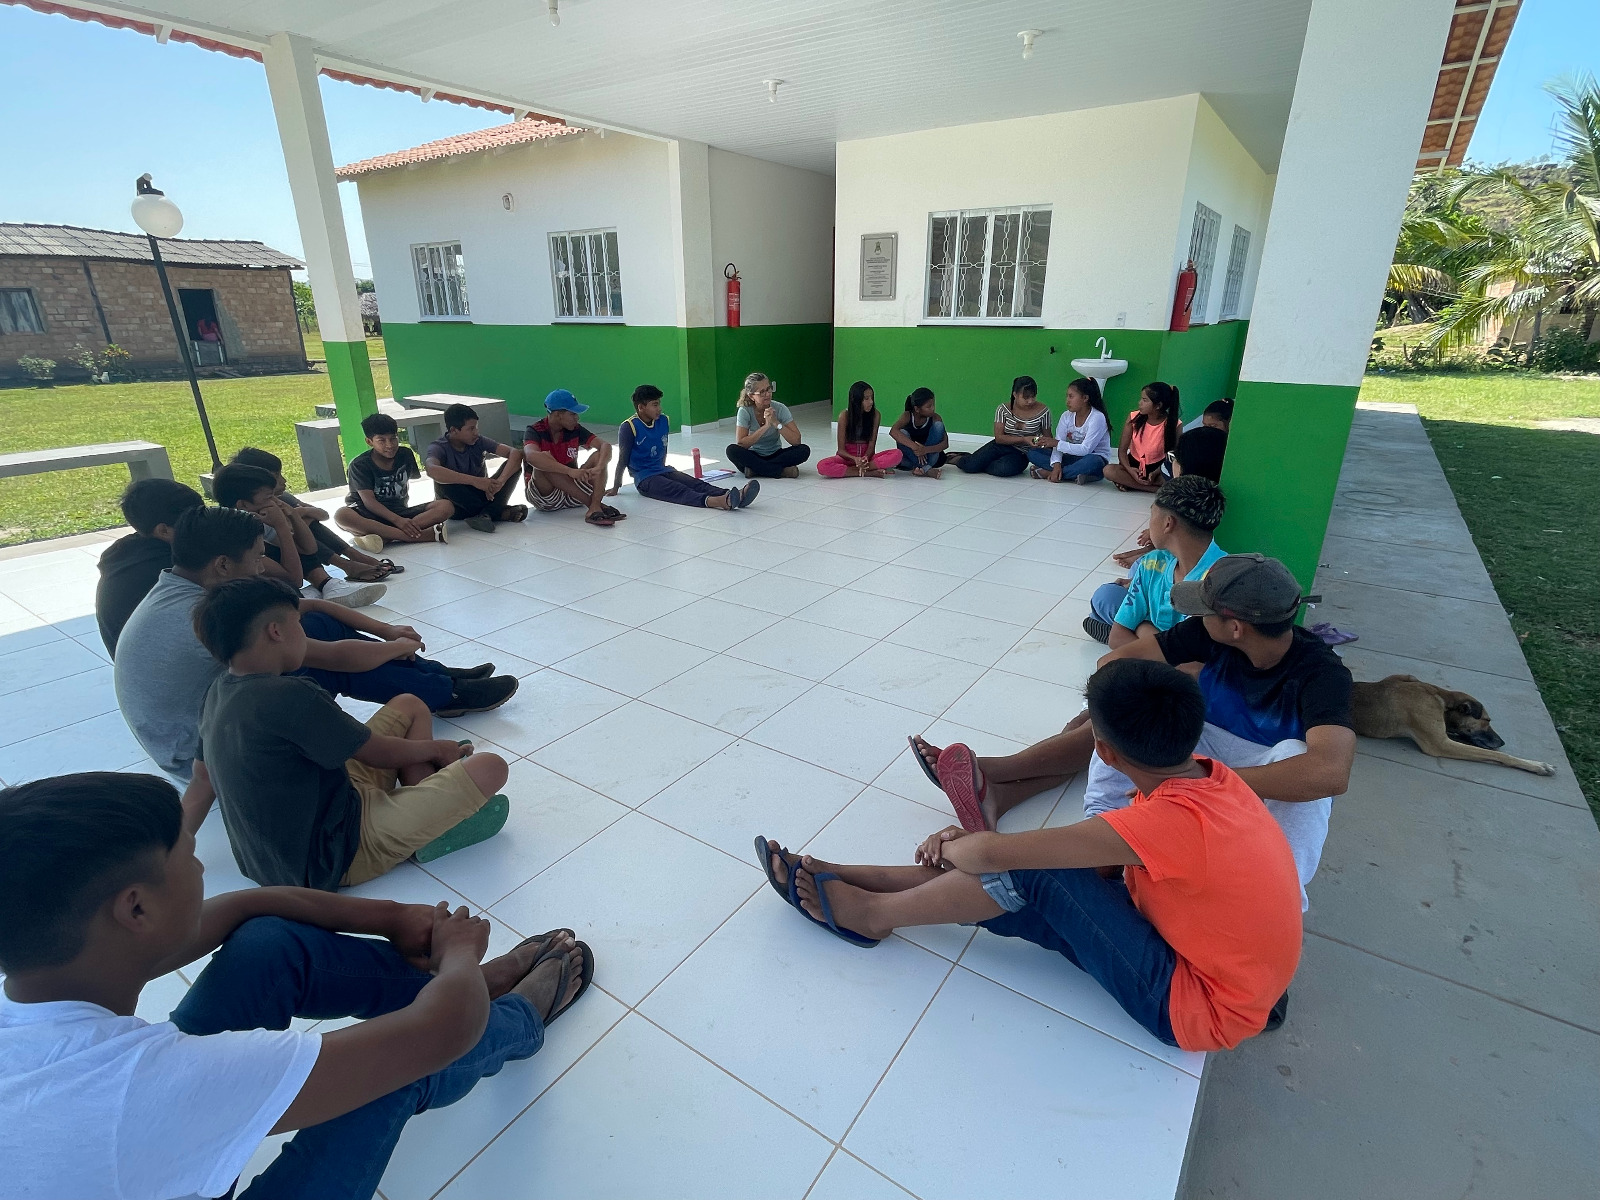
(102, 893)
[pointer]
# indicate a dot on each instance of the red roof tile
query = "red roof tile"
(530, 129)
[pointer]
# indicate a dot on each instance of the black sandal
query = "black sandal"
(586, 977)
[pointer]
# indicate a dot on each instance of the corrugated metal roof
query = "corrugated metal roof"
(72, 241)
(529, 129)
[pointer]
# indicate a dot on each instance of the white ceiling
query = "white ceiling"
(854, 68)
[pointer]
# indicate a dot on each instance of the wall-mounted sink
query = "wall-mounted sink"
(1101, 369)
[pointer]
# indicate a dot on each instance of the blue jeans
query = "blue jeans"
(1090, 466)
(423, 678)
(1107, 598)
(1092, 923)
(270, 970)
(908, 458)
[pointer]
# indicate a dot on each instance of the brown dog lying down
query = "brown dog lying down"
(1442, 723)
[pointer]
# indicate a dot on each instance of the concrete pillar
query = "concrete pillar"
(1366, 80)
(698, 289)
(303, 129)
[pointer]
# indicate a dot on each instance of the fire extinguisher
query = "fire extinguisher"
(1183, 299)
(731, 274)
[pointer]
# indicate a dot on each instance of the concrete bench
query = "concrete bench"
(146, 460)
(322, 453)
(493, 419)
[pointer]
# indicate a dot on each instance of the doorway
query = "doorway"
(200, 321)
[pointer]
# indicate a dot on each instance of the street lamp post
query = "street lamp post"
(160, 217)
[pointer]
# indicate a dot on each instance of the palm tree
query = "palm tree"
(1551, 256)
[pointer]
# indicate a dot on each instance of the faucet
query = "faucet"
(1105, 350)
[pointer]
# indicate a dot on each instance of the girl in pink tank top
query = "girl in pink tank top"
(1148, 436)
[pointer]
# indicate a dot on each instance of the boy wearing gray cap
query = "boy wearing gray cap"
(1277, 699)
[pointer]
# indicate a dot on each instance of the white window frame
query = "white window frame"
(434, 267)
(30, 308)
(1233, 282)
(573, 289)
(1003, 273)
(1203, 253)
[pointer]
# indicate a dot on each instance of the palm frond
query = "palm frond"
(1416, 277)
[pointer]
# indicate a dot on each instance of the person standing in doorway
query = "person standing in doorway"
(767, 441)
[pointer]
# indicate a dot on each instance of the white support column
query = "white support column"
(1366, 79)
(303, 129)
(696, 280)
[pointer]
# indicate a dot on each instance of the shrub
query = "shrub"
(38, 368)
(1565, 349)
(116, 361)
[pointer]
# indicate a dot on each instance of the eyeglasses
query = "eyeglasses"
(769, 390)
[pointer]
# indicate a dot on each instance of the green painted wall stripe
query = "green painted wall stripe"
(970, 368)
(1285, 448)
(699, 370)
(354, 396)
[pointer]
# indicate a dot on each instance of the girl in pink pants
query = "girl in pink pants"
(858, 434)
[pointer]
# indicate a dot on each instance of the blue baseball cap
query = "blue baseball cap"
(562, 400)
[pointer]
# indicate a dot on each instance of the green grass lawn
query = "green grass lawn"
(316, 353)
(1531, 498)
(259, 411)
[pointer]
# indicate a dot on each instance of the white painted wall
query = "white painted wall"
(1360, 102)
(776, 224)
(1115, 178)
(570, 183)
(1224, 178)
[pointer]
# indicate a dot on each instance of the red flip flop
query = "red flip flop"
(964, 784)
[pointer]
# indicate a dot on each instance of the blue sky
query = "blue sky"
(86, 110)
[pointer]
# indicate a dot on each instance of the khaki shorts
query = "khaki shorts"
(396, 822)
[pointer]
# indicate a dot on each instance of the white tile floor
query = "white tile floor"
(690, 679)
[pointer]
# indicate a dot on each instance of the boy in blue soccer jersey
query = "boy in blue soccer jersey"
(1180, 548)
(642, 450)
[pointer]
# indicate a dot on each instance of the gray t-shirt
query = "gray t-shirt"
(162, 673)
(771, 441)
(275, 747)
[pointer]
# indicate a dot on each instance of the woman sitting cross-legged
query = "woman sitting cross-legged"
(767, 442)
(1083, 439)
(1185, 906)
(921, 435)
(1020, 424)
(858, 439)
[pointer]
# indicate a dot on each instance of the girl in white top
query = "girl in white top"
(1083, 438)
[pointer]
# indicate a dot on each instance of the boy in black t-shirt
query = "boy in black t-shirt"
(310, 796)
(378, 508)
(1277, 698)
(131, 565)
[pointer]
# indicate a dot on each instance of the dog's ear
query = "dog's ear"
(1468, 706)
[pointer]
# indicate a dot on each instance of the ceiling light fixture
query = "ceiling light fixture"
(772, 89)
(1027, 36)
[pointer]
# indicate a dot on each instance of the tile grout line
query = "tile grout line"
(1441, 773)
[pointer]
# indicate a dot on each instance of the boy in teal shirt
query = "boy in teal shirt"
(1182, 516)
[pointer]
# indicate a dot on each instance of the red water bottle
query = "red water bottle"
(696, 453)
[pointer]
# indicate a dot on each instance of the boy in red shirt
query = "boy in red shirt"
(551, 475)
(1198, 935)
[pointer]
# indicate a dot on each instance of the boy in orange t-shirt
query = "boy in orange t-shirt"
(1197, 938)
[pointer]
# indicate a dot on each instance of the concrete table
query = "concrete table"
(493, 419)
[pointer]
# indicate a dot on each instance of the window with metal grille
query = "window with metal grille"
(1203, 253)
(987, 264)
(1233, 282)
(19, 311)
(441, 279)
(586, 275)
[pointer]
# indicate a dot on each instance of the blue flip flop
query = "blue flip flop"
(764, 857)
(828, 923)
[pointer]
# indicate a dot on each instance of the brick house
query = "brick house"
(63, 288)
